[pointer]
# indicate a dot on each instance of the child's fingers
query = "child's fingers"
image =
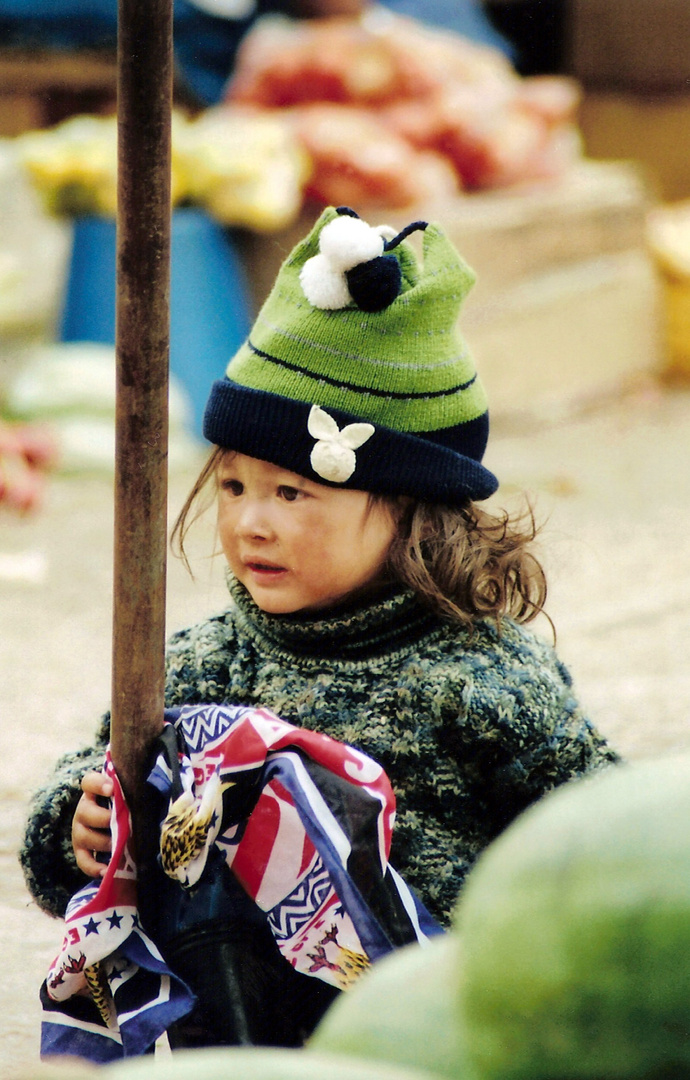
(93, 810)
(97, 783)
(87, 842)
(85, 838)
(91, 815)
(91, 824)
(88, 864)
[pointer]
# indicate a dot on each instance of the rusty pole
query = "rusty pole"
(142, 347)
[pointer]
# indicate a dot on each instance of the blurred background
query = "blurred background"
(549, 137)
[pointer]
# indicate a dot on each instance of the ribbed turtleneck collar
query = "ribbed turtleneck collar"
(390, 621)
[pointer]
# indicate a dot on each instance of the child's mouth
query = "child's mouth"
(265, 570)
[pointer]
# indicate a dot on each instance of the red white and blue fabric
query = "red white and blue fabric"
(304, 823)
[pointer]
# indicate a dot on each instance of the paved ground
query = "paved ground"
(613, 487)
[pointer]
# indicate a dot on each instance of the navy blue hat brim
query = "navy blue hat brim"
(424, 465)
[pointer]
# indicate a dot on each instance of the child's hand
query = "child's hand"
(91, 824)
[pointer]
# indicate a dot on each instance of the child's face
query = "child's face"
(296, 545)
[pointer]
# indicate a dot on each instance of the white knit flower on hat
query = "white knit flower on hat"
(333, 457)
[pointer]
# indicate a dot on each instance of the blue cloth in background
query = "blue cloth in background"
(205, 44)
(465, 17)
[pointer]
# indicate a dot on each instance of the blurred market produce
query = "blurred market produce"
(394, 112)
(231, 167)
(207, 33)
(27, 454)
(67, 390)
(384, 110)
(245, 168)
(669, 239)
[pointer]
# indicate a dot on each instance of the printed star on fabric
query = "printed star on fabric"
(115, 920)
(91, 927)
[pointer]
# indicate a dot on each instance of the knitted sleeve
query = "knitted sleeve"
(196, 668)
(521, 726)
(46, 856)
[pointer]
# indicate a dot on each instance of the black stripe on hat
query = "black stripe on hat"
(402, 395)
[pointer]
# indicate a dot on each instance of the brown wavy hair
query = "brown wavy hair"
(468, 563)
(195, 505)
(465, 563)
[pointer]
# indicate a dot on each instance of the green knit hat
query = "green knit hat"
(355, 374)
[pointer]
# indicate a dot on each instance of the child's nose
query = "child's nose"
(254, 520)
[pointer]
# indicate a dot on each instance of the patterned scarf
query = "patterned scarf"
(303, 822)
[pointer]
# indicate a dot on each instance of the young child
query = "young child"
(373, 600)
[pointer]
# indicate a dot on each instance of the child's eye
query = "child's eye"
(290, 494)
(233, 487)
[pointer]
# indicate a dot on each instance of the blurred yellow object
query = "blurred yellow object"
(668, 231)
(74, 165)
(245, 168)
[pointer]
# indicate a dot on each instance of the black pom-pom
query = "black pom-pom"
(374, 285)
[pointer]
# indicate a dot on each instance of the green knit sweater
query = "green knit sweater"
(471, 728)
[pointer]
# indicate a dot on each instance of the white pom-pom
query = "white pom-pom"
(344, 243)
(387, 232)
(324, 285)
(348, 241)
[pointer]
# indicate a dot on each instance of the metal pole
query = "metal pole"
(142, 347)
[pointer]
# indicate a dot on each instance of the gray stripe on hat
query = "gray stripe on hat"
(363, 390)
(395, 364)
